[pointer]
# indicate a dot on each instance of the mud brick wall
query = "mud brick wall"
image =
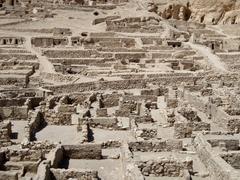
(35, 124)
(231, 144)
(111, 144)
(221, 118)
(146, 134)
(111, 100)
(45, 146)
(232, 158)
(156, 146)
(101, 112)
(165, 167)
(120, 85)
(9, 175)
(53, 118)
(76, 54)
(61, 115)
(58, 77)
(20, 57)
(130, 56)
(56, 156)
(233, 125)
(144, 119)
(14, 112)
(130, 170)
(200, 126)
(84, 151)
(152, 92)
(80, 174)
(25, 155)
(5, 134)
(19, 80)
(182, 130)
(218, 168)
(126, 109)
(195, 101)
(151, 98)
(104, 122)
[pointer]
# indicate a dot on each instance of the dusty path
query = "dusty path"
(44, 64)
(213, 59)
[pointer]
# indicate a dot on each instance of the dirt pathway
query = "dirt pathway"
(44, 64)
(212, 59)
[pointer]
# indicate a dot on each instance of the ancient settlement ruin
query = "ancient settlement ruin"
(119, 90)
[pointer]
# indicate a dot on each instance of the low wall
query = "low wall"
(56, 156)
(9, 175)
(156, 146)
(35, 124)
(217, 167)
(79, 174)
(14, 112)
(5, 134)
(104, 122)
(130, 170)
(165, 167)
(84, 151)
(119, 85)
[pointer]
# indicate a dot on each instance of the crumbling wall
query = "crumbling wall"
(5, 134)
(218, 168)
(83, 151)
(232, 158)
(104, 122)
(165, 167)
(14, 112)
(78, 174)
(156, 146)
(120, 85)
(130, 169)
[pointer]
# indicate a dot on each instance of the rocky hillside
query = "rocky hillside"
(205, 11)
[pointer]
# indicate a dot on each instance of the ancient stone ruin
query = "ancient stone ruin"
(119, 90)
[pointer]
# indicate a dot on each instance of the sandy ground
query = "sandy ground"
(101, 135)
(18, 130)
(63, 134)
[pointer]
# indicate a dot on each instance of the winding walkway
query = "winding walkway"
(212, 59)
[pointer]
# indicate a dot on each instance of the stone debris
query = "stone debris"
(119, 89)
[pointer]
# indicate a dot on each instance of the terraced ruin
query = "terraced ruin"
(119, 90)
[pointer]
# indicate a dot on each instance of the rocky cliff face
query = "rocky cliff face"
(204, 11)
(216, 11)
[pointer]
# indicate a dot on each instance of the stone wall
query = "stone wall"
(84, 151)
(146, 133)
(165, 167)
(9, 175)
(119, 85)
(78, 174)
(104, 122)
(156, 146)
(182, 130)
(130, 169)
(135, 24)
(230, 144)
(25, 155)
(36, 122)
(49, 41)
(60, 115)
(218, 168)
(56, 156)
(5, 133)
(232, 158)
(14, 112)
